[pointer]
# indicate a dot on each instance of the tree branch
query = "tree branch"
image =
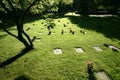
(27, 36)
(3, 5)
(11, 5)
(10, 33)
(20, 2)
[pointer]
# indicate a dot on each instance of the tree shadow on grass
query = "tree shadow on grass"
(22, 77)
(108, 26)
(12, 59)
(9, 23)
(3, 36)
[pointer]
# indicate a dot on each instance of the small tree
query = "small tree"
(49, 22)
(17, 9)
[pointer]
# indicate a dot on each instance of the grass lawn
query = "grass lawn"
(42, 64)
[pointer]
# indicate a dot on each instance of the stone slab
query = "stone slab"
(53, 33)
(41, 28)
(79, 50)
(38, 39)
(102, 76)
(57, 51)
(97, 48)
(40, 33)
(114, 48)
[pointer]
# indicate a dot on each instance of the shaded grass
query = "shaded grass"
(42, 64)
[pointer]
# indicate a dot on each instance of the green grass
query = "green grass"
(42, 64)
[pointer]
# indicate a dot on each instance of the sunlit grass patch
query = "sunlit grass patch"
(42, 64)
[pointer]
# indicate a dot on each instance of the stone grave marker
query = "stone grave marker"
(40, 33)
(38, 39)
(52, 32)
(57, 51)
(97, 48)
(65, 25)
(73, 32)
(102, 75)
(79, 50)
(114, 48)
(41, 28)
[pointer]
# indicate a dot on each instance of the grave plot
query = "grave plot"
(102, 75)
(79, 50)
(41, 28)
(63, 32)
(57, 51)
(38, 39)
(112, 47)
(97, 48)
(52, 32)
(40, 33)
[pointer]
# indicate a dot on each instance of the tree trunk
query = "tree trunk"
(27, 43)
(30, 41)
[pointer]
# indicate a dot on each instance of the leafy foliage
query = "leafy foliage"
(49, 22)
(16, 10)
(45, 6)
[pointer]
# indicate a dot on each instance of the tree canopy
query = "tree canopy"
(16, 10)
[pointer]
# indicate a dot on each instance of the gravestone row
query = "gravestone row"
(80, 50)
(114, 48)
(77, 49)
(62, 32)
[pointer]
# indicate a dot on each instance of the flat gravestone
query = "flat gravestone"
(97, 48)
(114, 48)
(102, 76)
(40, 33)
(53, 33)
(79, 50)
(57, 51)
(41, 28)
(38, 39)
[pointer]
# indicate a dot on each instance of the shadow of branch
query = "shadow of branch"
(12, 59)
(3, 36)
(22, 77)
